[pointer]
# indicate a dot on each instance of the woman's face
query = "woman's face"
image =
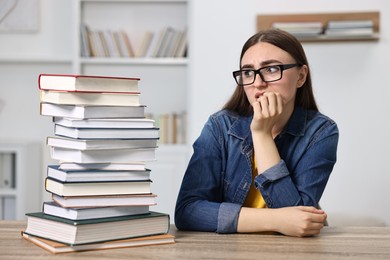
(265, 54)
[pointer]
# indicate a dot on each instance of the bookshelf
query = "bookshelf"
(162, 78)
(266, 21)
(20, 179)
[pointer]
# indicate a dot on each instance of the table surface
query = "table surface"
(333, 243)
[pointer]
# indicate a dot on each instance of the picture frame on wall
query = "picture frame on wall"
(19, 16)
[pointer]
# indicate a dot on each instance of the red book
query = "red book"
(84, 83)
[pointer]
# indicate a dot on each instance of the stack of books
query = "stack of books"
(101, 188)
(301, 29)
(350, 28)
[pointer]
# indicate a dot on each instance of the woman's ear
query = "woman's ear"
(302, 75)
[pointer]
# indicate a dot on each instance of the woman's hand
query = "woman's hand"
(267, 109)
(299, 221)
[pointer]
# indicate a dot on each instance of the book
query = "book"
(96, 188)
(105, 200)
(78, 232)
(103, 156)
(84, 112)
(56, 247)
(96, 144)
(105, 122)
(54, 172)
(106, 133)
(51, 208)
(69, 82)
(90, 98)
(336, 24)
(133, 166)
(144, 45)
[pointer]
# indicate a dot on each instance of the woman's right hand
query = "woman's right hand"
(300, 221)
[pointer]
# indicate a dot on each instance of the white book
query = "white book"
(97, 188)
(334, 24)
(51, 208)
(133, 166)
(96, 144)
(106, 133)
(84, 112)
(105, 201)
(93, 175)
(105, 122)
(103, 156)
(90, 98)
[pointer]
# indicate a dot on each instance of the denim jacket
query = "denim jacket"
(219, 174)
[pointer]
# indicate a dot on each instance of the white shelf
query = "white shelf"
(135, 61)
(35, 59)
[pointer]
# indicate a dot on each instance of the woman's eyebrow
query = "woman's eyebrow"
(262, 64)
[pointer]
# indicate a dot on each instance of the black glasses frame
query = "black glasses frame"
(282, 67)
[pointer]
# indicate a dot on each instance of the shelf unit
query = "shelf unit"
(22, 193)
(265, 22)
(162, 79)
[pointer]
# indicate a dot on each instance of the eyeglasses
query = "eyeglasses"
(267, 74)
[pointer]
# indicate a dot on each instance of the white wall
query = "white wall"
(354, 93)
(350, 82)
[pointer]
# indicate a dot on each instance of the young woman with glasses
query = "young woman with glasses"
(263, 161)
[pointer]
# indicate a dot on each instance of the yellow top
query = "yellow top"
(254, 199)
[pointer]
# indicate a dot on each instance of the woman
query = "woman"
(263, 161)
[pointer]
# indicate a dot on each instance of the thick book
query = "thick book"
(103, 156)
(105, 201)
(134, 166)
(87, 83)
(106, 133)
(91, 175)
(97, 188)
(90, 98)
(51, 208)
(78, 232)
(57, 247)
(84, 112)
(96, 144)
(105, 122)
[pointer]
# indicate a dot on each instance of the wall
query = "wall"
(350, 82)
(349, 79)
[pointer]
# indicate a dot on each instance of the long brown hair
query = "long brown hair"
(239, 103)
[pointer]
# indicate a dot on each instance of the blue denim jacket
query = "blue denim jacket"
(219, 173)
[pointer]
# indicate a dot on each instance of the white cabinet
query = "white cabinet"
(20, 179)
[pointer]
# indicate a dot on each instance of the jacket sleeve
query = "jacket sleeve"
(303, 182)
(199, 204)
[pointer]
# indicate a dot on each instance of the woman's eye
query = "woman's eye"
(247, 73)
(271, 69)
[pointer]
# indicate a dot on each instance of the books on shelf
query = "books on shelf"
(301, 29)
(105, 200)
(51, 208)
(54, 172)
(90, 98)
(86, 112)
(96, 188)
(103, 156)
(57, 247)
(68, 82)
(96, 144)
(106, 133)
(350, 28)
(172, 127)
(78, 232)
(145, 44)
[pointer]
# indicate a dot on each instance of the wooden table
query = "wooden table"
(333, 243)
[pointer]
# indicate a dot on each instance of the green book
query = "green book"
(78, 232)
